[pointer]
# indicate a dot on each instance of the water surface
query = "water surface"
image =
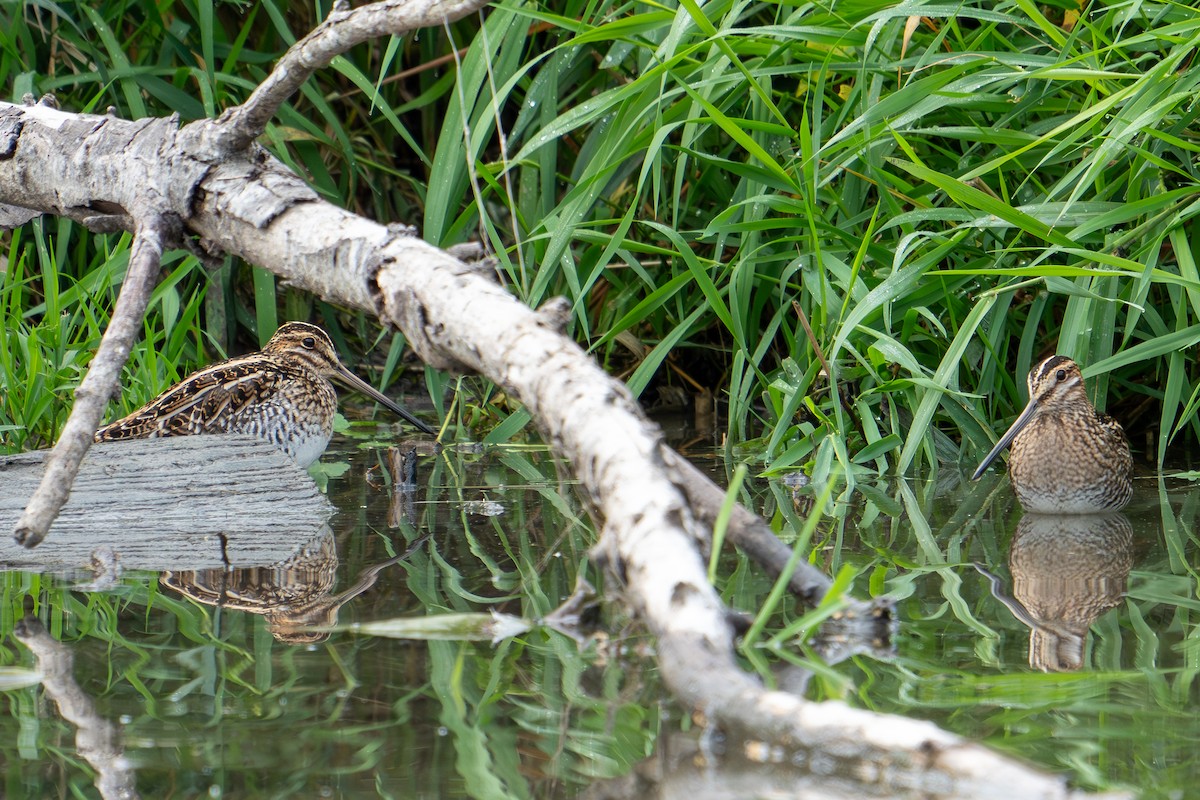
(1069, 644)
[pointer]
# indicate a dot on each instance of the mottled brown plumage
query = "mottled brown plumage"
(281, 394)
(1067, 458)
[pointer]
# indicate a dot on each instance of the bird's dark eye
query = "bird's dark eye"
(1061, 375)
(309, 343)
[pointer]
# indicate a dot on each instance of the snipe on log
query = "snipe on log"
(281, 394)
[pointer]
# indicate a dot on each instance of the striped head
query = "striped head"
(302, 344)
(305, 345)
(1057, 383)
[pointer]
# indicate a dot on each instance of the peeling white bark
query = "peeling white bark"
(236, 198)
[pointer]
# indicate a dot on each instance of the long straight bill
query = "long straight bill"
(1007, 438)
(358, 384)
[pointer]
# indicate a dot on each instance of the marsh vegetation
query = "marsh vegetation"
(854, 227)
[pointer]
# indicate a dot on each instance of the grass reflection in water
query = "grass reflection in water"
(214, 702)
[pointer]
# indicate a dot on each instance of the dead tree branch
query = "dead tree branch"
(746, 530)
(236, 198)
(342, 29)
(103, 377)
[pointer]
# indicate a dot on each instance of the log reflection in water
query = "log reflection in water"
(684, 769)
(97, 739)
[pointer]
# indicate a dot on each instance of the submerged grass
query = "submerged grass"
(540, 716)
(207, 696)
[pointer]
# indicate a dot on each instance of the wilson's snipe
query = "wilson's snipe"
(281, 394)
(1067, 458)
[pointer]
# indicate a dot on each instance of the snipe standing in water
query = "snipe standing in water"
(1067, 458)
(281, 394)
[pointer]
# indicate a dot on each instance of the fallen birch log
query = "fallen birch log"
(212, 187)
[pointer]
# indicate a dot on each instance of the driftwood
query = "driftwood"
(184, 503)
(103, 373)
(224, 193)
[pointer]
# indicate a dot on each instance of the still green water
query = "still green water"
(203, 700)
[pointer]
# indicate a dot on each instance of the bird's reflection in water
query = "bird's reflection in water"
(295, 597)
(1067, 570)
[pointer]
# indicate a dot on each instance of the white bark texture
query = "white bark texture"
(241, 200)
(180, 503)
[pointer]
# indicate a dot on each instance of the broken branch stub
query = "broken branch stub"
(342, 29)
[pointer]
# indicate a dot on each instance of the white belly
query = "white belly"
(304, 442)
(306, 449)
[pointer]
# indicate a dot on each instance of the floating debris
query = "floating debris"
(484, 508)
(12, 678)
(493, 627)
